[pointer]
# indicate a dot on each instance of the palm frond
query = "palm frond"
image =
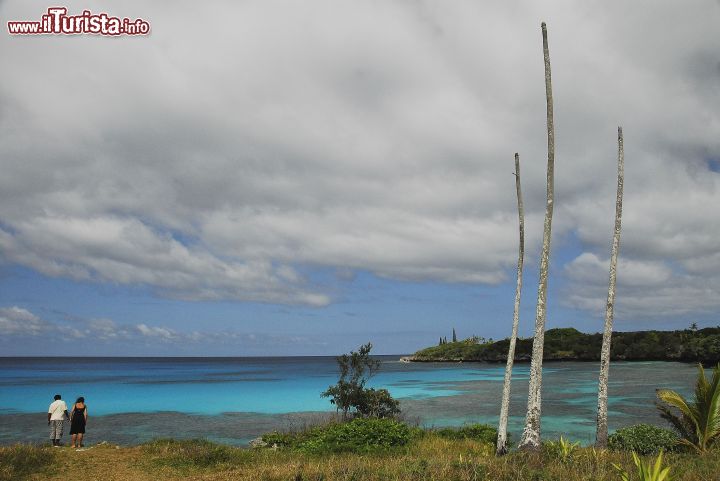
(711, 426)
(676, 400)
(697, 421)
(679, 423)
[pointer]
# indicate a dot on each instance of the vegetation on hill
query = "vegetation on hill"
(688, 345)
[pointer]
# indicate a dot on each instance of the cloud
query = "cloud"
(16, 321)
(127, 251)
(22, 328)
(222, 161)
(158, 332)
(588, 268)
(645, 289)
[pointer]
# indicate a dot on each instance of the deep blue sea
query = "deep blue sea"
(233, 400)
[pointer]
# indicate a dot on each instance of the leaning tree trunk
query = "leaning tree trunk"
(531, 434)
(602, 426)
(505, 406)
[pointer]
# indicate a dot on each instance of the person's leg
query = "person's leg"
(73, 437)
(56, 432)
(80, 439)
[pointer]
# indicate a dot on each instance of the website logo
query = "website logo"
(57, 22)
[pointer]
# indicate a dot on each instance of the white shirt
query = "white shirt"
(57, 410)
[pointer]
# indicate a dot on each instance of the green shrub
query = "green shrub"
(562, 449)
(360, 435)
(644, 439)
(21, 460)
(283, 440)
(653, 471)
(479, 432)
(377, 403)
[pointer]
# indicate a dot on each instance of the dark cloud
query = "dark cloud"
(242, 140)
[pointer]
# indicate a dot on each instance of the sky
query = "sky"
(299, 178)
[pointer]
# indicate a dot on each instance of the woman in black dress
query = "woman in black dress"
(78, 419)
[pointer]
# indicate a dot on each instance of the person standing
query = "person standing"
(78, 418)
(57, 413)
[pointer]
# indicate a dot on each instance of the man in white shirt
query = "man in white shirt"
(57, 413)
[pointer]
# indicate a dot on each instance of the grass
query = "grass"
(22, 460)
(431, 457)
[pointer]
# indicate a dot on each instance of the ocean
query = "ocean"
(232, 400)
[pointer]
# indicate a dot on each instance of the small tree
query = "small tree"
(454, 335)
(351, 396)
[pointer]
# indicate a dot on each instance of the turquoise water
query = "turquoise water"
(262, 391)
(208, 386)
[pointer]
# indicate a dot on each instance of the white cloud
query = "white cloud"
(127, 251)
(588, 268)
(157, 332)
(20, 327)
(16, 321)
(645, 289)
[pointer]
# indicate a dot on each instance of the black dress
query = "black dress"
(77, 424)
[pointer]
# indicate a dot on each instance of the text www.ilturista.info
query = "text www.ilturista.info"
(57, 22)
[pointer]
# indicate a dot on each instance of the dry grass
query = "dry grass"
(21, 460)
(430, 458)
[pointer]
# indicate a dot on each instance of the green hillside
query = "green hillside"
(689, 345)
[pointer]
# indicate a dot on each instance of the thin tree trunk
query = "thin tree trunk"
(531, 434)
(602, 425)
(505, 406)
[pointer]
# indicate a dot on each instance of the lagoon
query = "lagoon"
(233, 400)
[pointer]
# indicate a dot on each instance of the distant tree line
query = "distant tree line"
(688, 345)
(469, 340)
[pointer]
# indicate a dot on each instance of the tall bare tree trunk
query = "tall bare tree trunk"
(531, 434)
(505, 406)
(602, 425)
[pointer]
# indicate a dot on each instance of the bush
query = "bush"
(644, 439)
(378, 404)
(562, 449)
(360, 435)
(479, 432)
(653, 471)
(21, 460)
